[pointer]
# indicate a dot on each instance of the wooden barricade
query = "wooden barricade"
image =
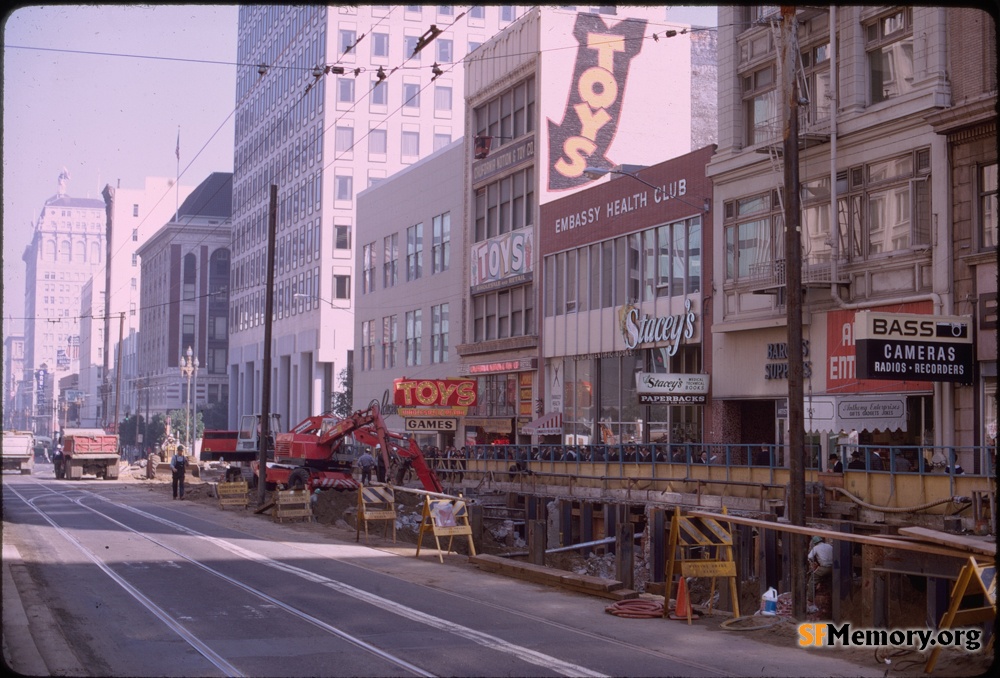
(376, 502)
(974, 579)
(714, 546)
(445, 518)
(292, 504)
(233, 494)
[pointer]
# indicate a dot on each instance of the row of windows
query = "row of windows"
(77, 251)
(505, 205)
(664, 261)
(297, 294)
(503, 314)
(440, 253)
(388, 341)
(508, 115)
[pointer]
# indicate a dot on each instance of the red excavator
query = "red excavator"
(314, 454)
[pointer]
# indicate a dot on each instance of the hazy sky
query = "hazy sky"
(102, 89)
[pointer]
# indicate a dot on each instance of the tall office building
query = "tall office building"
(334, 99)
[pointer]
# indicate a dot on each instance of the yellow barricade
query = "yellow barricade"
(292, 504)
(700, 547)
(233, 494)
(445, 518)
(376, 502)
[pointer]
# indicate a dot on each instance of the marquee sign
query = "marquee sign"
(435, 392)
(914, 346)
(423, 424)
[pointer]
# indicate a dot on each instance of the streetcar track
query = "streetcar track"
(486, 640)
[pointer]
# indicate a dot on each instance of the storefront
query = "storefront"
(505, 390)
(623, 306)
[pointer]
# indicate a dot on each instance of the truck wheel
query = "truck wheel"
(298, 479)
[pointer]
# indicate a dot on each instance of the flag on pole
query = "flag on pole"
(177, 152)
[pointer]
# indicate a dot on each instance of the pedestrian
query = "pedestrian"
(367, 462)
(836, 466)
(856, 463)
(876, 460)
(820, 565)
(380, 470)
(178, 464)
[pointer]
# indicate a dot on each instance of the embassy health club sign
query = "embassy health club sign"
(914, 347)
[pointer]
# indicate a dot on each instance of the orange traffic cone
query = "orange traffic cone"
(682, 608)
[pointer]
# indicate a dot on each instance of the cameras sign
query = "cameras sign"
(914, 346)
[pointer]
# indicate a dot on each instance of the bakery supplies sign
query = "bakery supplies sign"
(593, 109)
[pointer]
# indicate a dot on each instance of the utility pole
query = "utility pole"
(265, 380)
(793, 302)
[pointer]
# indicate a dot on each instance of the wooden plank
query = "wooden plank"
(958, 541)
(887, 542)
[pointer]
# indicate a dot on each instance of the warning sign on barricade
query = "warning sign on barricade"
(699, 547)
(376, 502)
(292, 504)
(233, 494)
(445, 518)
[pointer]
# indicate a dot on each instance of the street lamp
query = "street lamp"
(189, 369)
(598, 172)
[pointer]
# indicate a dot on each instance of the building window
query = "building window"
(187, 331)
(988, 206)
(341, 237)
(442, 98)
(889, 46)
(414, 252)
(477, 12)
(368, 268)
(135, 210)
(410, 147)
(413, 332)
(755, 242)
(367, 345)
(390, 261)
(507, 13)
(344, 139)
(345, 90)
(189, 275)
(499, 315)
(411, 46)
(135, 259)
(816, 65)
(380, 93)
(760, 106)
(377, 142)
(888, 205)
(446, 10)
(411, 95)
(441, 140)
(445, 51)
(345, 187)
(439, 333)
(380, 45)
(441, 245)
(135, 235)
(347, 39)
(473, 46)
(509, 115)
(505, 205)
(341, 286)
(389, 339)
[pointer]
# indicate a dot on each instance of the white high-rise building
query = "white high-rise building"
(336, 99)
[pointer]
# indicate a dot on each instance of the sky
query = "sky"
(102, 90)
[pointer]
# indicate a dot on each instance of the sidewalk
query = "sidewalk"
(20, 654)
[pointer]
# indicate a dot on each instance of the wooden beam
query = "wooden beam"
(965, 543)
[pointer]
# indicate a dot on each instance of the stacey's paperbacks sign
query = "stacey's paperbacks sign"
(593, 108)
(914, 346)
(659, 387)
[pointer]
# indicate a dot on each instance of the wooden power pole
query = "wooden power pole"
(265, 378)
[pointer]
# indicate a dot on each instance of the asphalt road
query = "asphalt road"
(112, 579)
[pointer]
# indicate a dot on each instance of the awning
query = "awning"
(547, 425)
(832, 414)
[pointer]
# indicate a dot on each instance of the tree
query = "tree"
(155, 432)
(179, 423)
(344, 398)
(129, 429)
(216, 416)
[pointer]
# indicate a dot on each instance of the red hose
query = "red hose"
(636, 608)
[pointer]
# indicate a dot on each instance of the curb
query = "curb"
(20, 653)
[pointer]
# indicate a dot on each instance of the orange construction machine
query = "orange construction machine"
(316, 453)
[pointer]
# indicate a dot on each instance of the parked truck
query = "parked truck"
(88, 451)
(18, 451)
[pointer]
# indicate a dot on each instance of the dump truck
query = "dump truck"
(18, 451)
(88, 451)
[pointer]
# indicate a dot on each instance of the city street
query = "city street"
(115, 578)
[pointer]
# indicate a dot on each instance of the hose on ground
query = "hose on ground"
(773, 621)
(636, 608)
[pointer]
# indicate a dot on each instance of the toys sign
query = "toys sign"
(435, 392)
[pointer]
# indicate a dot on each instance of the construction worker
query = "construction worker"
(380, 470)
(820, 566)
(367, 462)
